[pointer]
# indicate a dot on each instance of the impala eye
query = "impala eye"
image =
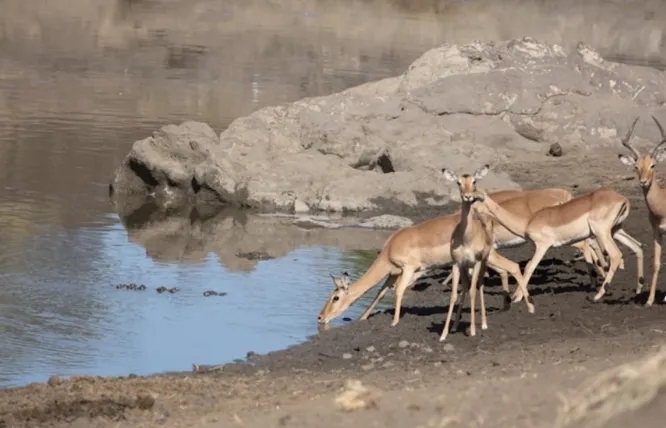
(336, 298)
(652, 166)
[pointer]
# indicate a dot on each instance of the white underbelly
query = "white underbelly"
(466, 257)
(514, 242)
(572, 239)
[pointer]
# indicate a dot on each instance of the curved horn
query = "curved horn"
(663, 138)
(625, 140)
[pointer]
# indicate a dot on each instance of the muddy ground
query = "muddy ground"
(518, 373)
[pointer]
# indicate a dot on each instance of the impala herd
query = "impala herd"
(470, 238)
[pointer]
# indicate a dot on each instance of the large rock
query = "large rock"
(385, 142)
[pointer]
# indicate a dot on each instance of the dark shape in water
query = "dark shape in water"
(254, 255)
(173, 290)
(214, 293)
(131, 286)
(161, 289)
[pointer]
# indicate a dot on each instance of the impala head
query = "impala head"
(644, 165)
(337, 301)
(467, 183)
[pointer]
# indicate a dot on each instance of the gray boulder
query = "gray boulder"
(384, 143)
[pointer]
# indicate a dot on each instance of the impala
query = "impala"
(408, 251)
(471, 246)
(655, 198)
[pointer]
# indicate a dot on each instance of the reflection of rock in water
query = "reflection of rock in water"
(189, 236)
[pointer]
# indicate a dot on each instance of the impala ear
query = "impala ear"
(449, 175)
(345, 281)
(627, 160)
(336, 281)
(481, 172)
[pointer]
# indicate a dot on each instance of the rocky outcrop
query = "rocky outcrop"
(385, 142)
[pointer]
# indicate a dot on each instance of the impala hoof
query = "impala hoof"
(484, 326)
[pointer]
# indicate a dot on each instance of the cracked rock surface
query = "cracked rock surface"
(382, 144)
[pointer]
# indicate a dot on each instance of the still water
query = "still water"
(63, 249)
(69, 113)
(81, 80)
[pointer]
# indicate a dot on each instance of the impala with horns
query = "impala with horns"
(408, 251)
(655, 198)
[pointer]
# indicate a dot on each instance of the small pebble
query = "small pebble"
(403, 344)
(367, 367)
(427, 349)
(346, 356)
(555, 150)
(370, 349)
(387, 364)
(448, 347)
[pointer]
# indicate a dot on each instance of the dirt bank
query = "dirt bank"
(514, 374)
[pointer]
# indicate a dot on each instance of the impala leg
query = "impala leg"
(608, 245)
(455, 279)
(447, 279)
(628, 241)
(656, 264)
(502, 264)
(602, 260)
(399, 291)
(597, 256)
(539, 253)
(504, 277)
(484, 317)
(471, 286)
(380, 294)
(587, 252)
(593, 262)
(461, 303)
